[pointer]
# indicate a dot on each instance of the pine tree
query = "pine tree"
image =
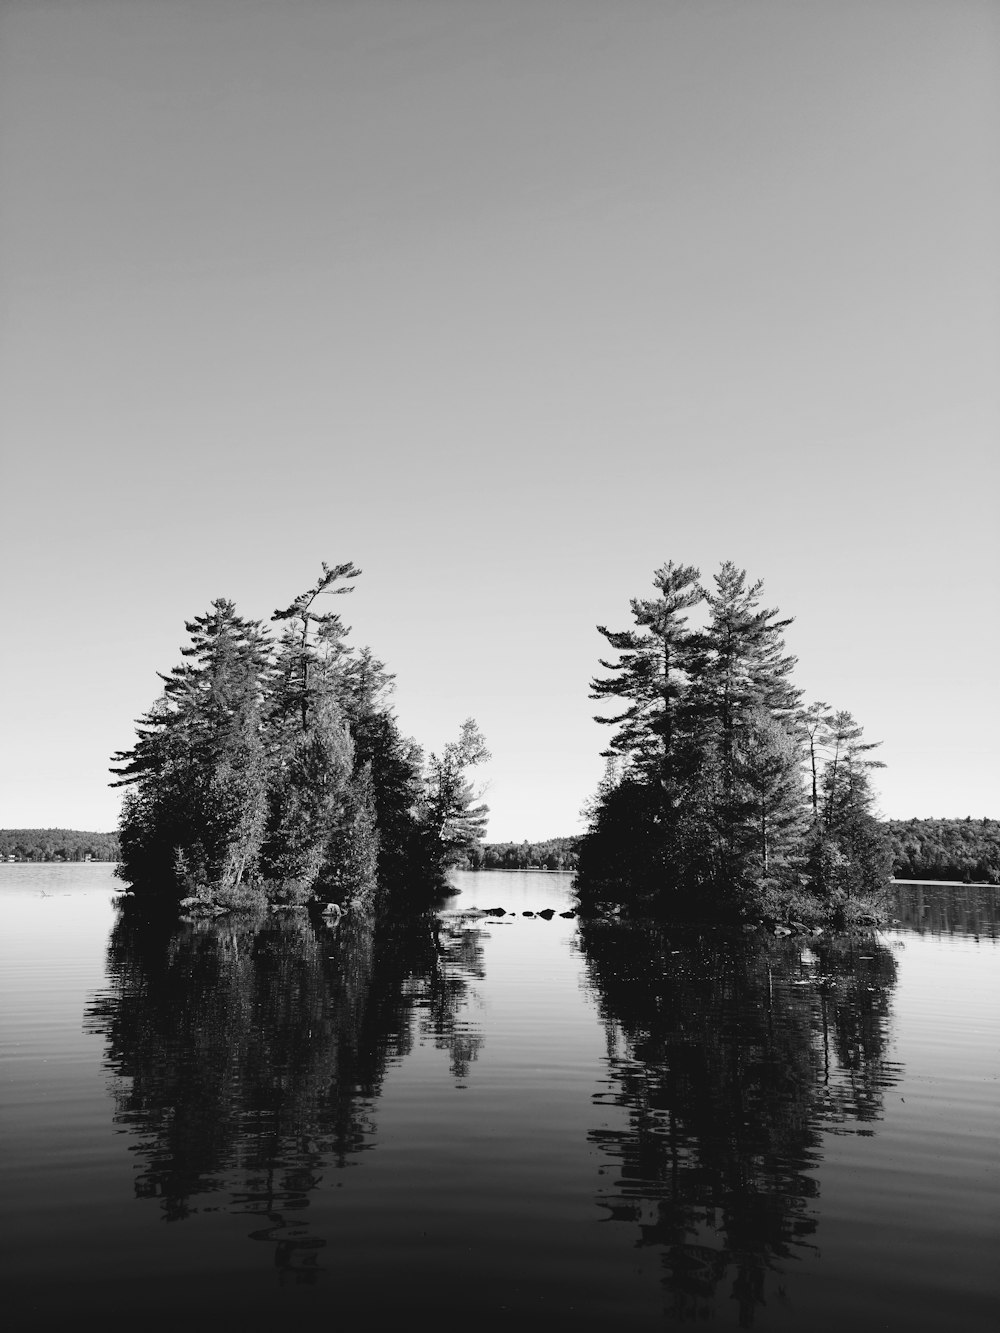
(769, 787)
(450, 824)
(850, 853)
(311, 645)
(650, 674)
(195, 812)
(310, 746)
(846, 788)
(814, 727)
(741, 670)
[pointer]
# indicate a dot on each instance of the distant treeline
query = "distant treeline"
(962, 849)
(554, 854)
(57, 844)
(924, 849)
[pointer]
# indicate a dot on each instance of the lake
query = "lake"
(492, 1122)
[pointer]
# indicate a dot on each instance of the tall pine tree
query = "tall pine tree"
(196, 808)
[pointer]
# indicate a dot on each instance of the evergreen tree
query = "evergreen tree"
(851, 853)
(311, 646)
(394, 765)
(707, 808)
(769, 786)
(311, 750)
(814, 727)
(658, 785)
(846, 789)
(651, 674)
(195, 813)
(450, 824)
(351, 865)
(743, 664)
(741, 672)
(310, 779)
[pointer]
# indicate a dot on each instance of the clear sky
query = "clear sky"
(509, 302)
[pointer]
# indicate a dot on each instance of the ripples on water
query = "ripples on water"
(506, 1121)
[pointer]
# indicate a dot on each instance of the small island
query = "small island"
(724, 798)
(272, 773)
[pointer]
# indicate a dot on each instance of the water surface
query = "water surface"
(505, 1122)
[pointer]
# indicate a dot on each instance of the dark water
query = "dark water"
(495, 1123)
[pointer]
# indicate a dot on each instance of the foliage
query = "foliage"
(279, 769)
(722, 794)
(57, 844)
(967, 849)
(552, 854)
(197, 805)
(450, 825)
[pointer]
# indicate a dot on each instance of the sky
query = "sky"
(508, 302)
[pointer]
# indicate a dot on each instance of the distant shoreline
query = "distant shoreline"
(514, 870)
(951, 883)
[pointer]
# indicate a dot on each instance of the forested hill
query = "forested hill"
(553, 854)
(57, 844)
(960, 849)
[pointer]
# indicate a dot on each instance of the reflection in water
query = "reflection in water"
(731, 1055)
(247, 1054)
(248, 1058)
(950, 909)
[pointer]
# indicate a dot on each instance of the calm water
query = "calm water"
(496, 1123)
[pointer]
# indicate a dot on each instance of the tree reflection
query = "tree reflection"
(248, 1053)
(950, 909)
(729, 1056)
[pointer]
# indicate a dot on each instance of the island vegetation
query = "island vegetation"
(724, 796)
(273, 771)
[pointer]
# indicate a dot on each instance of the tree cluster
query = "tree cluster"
(552, 854)
(56, 844)
(721, 790)
(274, 770)
(966, 850)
